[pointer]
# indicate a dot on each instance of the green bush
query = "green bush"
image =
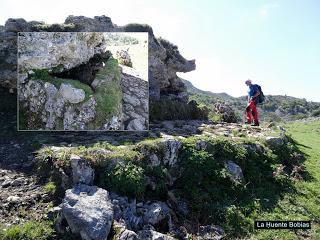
(316, 113)
(125, 178)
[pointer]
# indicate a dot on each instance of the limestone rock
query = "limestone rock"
(226, 112)
(153, 235)
(17, 25)
(135, 100)
(81, 171)
(274, 142)
(96, 24)
(156, 212)
(88, 211)
(211, 232)
(71, 94)
(164, 58)
(124, 58)
(61, 51)
(122, 233)
(235, 171)
(171, 148)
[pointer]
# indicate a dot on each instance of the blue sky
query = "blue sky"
(274, 43)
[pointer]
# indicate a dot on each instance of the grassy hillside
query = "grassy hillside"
(303, 202)
(275, 108)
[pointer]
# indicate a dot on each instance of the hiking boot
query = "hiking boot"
(246, 122)
(255, 124)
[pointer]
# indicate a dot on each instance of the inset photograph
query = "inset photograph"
(79, 81)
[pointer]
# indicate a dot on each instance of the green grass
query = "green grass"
(29, 231)
(109, 93)
(304, 203)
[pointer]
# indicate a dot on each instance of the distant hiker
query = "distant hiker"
(253, 99)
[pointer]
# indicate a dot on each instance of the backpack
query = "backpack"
(261, 98)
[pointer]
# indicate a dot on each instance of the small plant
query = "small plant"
(50, 188)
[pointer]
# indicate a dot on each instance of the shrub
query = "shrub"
(126, 179)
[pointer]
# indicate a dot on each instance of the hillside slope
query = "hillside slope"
(275, 108)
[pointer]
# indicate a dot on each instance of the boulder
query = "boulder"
(235, 171)
(122, 233)
(171, 148)
(274, 142)
(226, 112)
(153, 235)
(81, 171)
(88, 211)
(211, 232)
(124, 58)
(155, 213)
(71, 94)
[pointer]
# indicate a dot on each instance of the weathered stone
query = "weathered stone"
(226, 112)
(71, 94)
(274, 142)
(85, 24)
(124, 58)
(211, 232)
(235, 171)
(153, 235)
(81, 171)
(45, 50)
(122, 233)
(171, 148)
(156, 212)
(88, 211)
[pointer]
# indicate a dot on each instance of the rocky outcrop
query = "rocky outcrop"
(135, 100)
(225, 111)
(235, 171)
(82, 173)
(88, 212)
(55, 72)
(164, 58)
(57, 51)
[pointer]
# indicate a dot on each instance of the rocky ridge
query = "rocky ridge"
(81, 173)
(164, 58)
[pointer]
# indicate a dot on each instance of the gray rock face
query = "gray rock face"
(274, 142)
(135, 100)
(153, 235)
(124, 58)
(171, 149)
(44, 50)
(81, 171)
(71, 94)
(211, 232)
(155, 213)
(122, 233)
(54, 106)
(226, 112)
(235, 171)
(96, 24)
(88, 212)
(164, 58)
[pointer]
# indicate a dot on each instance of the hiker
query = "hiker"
(253, 93)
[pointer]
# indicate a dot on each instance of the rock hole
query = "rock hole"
(85, 72)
